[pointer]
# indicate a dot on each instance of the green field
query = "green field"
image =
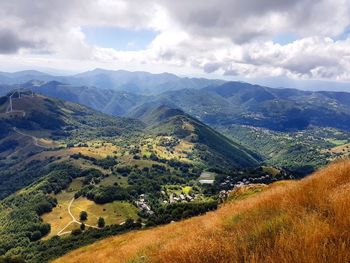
(178, 189)
(337, 142)
(114, 213)
(112, 179)
(58, 218)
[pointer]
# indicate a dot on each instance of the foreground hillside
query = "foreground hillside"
(295, 221)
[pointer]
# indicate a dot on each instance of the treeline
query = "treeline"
(8, 145)
(177, 211)
(104, 194)
(105, 163)
(12, 180)
(44, 251)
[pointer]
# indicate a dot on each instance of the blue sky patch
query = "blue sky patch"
(284, 38)
(344, 35)
(119, 38)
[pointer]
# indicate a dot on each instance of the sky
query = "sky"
(251, 39)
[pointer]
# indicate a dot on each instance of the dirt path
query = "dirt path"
(74, 220)
(35, 140)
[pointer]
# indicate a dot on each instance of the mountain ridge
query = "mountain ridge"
(120, 80)
(230, 103)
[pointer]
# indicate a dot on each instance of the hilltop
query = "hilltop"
(295, 221)
(38, 123)
(38, 112)
(213, 146)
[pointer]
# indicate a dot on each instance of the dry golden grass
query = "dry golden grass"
(180, 151)
(341, 152)
(301, 221)
(97, 150)
(114, 213)
(58, 218)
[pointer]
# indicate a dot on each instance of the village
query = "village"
(230, 182)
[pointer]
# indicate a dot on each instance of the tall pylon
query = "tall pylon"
(11, 103)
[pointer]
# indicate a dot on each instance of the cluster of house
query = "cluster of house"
(143, 206)
(230, 181)
(181, 198)
(261, 179)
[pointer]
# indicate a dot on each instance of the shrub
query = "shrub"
(101, 222)
(83, 215)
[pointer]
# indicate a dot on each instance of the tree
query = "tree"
(11, 260)
(82, 227)
(76, 232)
(83, 215)
(101, 222)
(36, 235)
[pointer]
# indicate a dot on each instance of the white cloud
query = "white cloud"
(229, 37)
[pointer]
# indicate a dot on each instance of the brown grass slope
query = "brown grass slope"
(301, 221)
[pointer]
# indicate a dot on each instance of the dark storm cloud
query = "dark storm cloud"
(11, 43)
(229, 18)
(25, 23)
(243, 21)
(38, 13)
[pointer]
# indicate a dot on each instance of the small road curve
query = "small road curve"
(18, 111)
(35, 140)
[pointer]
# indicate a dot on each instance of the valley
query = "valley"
(159, 165)
(300, 151)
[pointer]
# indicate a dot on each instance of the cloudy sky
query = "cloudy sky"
(295, 39)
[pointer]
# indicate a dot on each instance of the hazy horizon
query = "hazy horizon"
(277, 82)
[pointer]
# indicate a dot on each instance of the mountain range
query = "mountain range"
(120, 80)
(219, 104)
